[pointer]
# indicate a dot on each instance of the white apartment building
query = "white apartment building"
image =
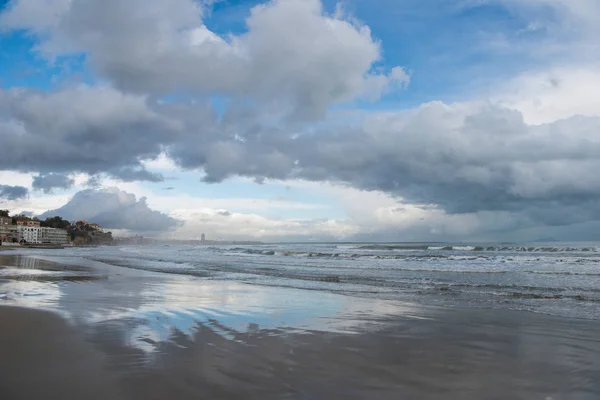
(38, 235)
(29, 234)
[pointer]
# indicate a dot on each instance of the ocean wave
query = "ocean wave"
(394, 247)
(439, 280)
(571, 273)
(440, 248)
(516, 292)
(535, 249)
(542, 296)
(480, 248)
(349, 255)
(529, 288)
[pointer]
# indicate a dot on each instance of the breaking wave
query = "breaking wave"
(529, 249)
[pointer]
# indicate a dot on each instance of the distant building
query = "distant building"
(134, 240)
(29, 234)
(54, 236)
(97, 227)
(202, 237)
(8, 231)
(28, 223)
(38, 235)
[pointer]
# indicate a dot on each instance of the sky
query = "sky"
(294, 120)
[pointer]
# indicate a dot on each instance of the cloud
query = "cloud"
(585, 13)
(524, 159)
(550, 94)
(51, 181)
(557, 28)
(13, 192)
(362, 216)
(251, 226)
(465, 159)
(275, 65)
(94, 182)
(114, 209)
(80, 129)
(293, 57)
(139, 174)
(462, 158)
(224, 213)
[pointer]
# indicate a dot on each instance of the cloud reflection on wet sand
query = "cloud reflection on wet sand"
(185, 337)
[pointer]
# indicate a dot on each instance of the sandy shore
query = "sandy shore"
(44, 358)
(155, 336)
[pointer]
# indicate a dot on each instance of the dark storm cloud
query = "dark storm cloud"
(51, 181)
(93, 182)
(13, 192)
(140, 174)
(80, 129)
(462, 158)
(114, 209)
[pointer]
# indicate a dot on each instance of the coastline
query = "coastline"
(143, 335)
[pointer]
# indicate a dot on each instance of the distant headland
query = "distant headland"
(22, 230)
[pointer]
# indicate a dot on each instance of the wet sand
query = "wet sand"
(41, 357)
(155, 336)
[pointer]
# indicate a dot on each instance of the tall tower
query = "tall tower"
(202, 237)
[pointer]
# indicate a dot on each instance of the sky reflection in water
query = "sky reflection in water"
(153, 306)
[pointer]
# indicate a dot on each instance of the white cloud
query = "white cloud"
(36, 204)
(113, 209)
(14, 178)
(160, 163)
(546, 96)
(294, 57)
(252, 226)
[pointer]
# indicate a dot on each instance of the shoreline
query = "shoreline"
(135, 334)
(100, 264)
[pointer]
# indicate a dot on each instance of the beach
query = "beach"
(77, 327)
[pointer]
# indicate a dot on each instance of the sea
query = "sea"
(560, 279)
